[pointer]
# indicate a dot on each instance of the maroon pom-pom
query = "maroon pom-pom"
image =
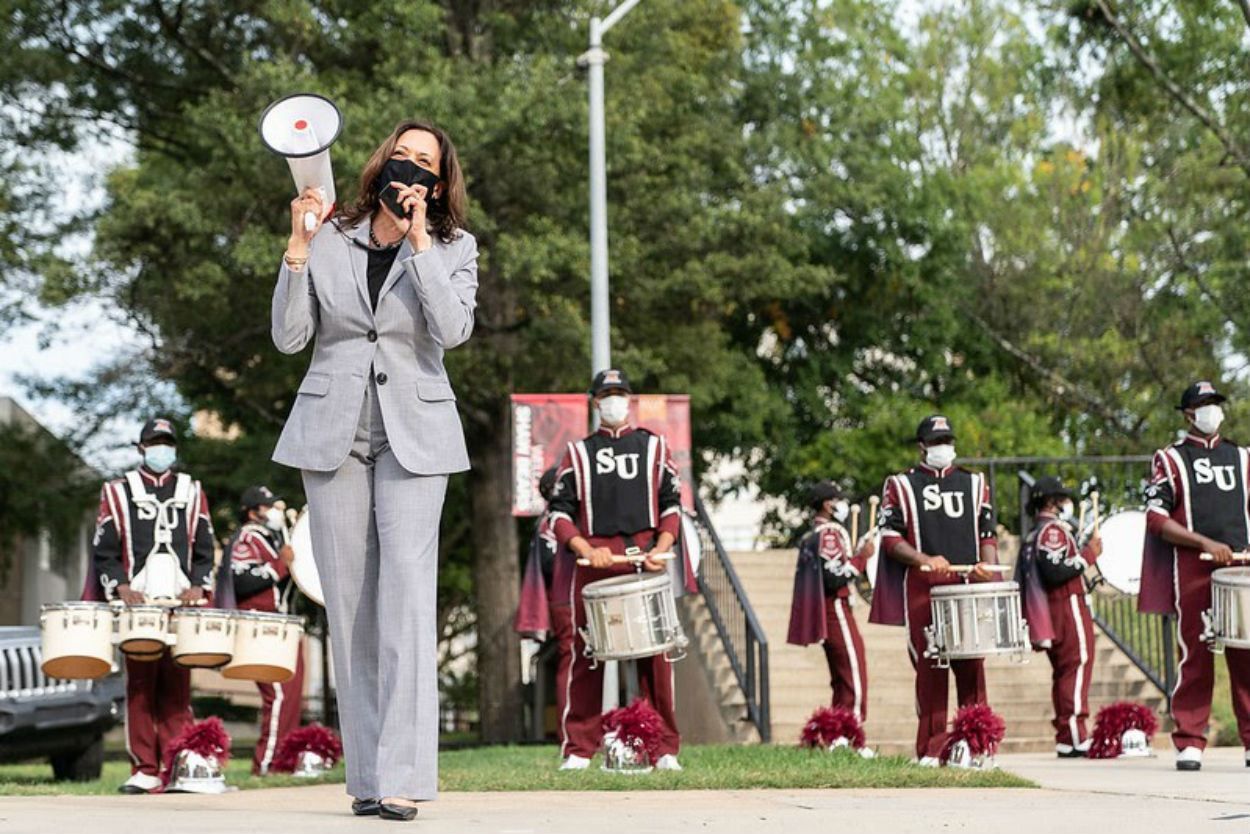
(828, 724)
(205, 738)
(637, 725)
(979, 726)
(311, 739)
(1113, 721)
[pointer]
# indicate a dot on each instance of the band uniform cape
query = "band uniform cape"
(134, 524)
(1033, 591)
(909, 510)
(828, 543)
(1194, 505)
(533, 617)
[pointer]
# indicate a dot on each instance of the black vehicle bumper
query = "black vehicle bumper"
(36, 727)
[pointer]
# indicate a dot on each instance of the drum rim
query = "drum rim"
(224, 613)
(73, 604)
(1232, 576)
(266, 616)
(986, 589)
(613, 585)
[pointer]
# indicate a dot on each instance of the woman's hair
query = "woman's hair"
(446, 213)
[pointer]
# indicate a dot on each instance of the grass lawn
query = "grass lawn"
(532, 768)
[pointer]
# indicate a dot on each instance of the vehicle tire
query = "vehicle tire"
(82, 765)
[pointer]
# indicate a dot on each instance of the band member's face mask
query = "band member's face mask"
(409, 173)
(1208, 418)
(940, 456)
(159, 458)
(614, 410)
(274, 520)
(841, 510)
(1067, 514)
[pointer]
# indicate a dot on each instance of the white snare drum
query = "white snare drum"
(632, 616)
(143, 629)
(1228, 622)
(203, 637)
(266, 647)
(77, 640)
(976, 620)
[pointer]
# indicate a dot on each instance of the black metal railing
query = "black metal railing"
(735, 620)
(1147, 639)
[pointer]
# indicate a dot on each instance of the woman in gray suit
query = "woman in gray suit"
(381, 291)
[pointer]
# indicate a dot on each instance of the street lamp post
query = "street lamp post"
(600, 313)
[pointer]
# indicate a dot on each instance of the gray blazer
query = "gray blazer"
(425, 307)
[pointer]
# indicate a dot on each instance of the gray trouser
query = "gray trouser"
(375, 540)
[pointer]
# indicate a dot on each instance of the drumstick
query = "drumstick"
(1093, 497)
(1080, 519)
(854, 524)
(1242, 556)
(622, 560)
(873, 501)
(970, 568)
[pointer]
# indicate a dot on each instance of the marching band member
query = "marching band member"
(544, 606)
(617, 488)
(153, 536)
(933, 516)
(820, 610)
(260, 568)
(1196, 503)
(1063, 626)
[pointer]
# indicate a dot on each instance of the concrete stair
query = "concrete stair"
(800, 676)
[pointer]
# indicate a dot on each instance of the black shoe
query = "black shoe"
(400, 813)
(1189, 765)
(1074, 753)
(366, 807)
(132, 790)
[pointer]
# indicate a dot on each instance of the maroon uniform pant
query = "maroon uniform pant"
(280, 708)
(158, 707)
(844, 650)
(582, 725)
(1195, 676)
(1071, 659)
(933, 683)
(562, 631)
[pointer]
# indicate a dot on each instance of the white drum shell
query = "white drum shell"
(1123, 534)
(978, 620)
(304, 566)
(203, 637)
(1230, 607)
(266, 647)
(76, 640)
(143, 629)
(629, 617)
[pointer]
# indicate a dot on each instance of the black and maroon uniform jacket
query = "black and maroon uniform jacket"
(1200, 483)
(1060, 563)
(125, 532)
(946, 512)
(824, 571)
(616, 483)
(262, 581)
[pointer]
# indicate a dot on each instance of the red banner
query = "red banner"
(544, 424)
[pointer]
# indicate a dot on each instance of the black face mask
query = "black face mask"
(407, 172)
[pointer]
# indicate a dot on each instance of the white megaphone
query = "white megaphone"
(301, 128)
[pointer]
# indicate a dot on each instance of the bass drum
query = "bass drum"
(866, 581)
(1123, 537)
(303, 566)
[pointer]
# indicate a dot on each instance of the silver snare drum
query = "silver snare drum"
(976, 620)
(1228, 622)
(632, 616)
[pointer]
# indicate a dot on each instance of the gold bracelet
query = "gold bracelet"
(294, 263)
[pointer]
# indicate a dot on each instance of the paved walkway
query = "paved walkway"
(1101, 797)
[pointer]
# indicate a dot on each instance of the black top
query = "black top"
(380, 261)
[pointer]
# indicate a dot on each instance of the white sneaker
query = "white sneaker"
(1189, 758)
(575, 763)
(668, 762)
(867, 753)
(929, 761)
(140, 783)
